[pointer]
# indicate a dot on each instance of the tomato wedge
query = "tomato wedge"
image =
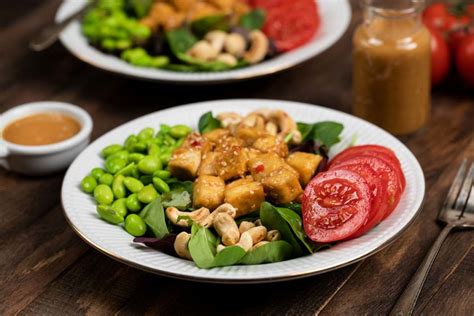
(336, 204)
(379, 194)
(385, 171)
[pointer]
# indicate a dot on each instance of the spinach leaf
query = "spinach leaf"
(176, 184)
(272, 252)
(202, 246)
(202, 26)
(139, 8)
(295, 207)
(229, 256)
(179, 198)
(180, 40)
(253, 20)
(326, 133)
(305, 130)
(272, 219)
(154, 216)
(296, 225)
(207, 123)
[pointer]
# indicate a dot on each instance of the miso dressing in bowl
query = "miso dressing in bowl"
(41, 129)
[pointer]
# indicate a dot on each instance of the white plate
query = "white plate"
(335, 17)
(79, 208)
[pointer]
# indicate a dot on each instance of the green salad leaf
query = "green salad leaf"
(179, 198)
(253, 20)
(202, 26)
(207, 123)
(180, 40)
(272, 252)
(154, 216)
(296, 225)
(139, 8)
(327, 132)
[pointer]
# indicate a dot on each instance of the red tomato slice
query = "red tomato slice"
(378, 191)
(335, 205)
(385, 171)
(289, 23)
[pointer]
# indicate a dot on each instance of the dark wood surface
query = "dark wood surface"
(46, 269)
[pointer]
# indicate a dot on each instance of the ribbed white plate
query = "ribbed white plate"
(79, 208)
(335, 18)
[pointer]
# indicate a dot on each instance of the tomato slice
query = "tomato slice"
(335, 205)
(289, 23)
(385, 171)
(379, 194)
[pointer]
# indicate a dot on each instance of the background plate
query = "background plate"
(79, 208)
(335, 18)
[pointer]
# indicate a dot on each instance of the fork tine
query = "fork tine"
(465, 189)
(455, 186)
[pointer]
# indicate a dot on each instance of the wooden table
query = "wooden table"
(45, 268)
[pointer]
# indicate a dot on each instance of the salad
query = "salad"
(244, 190)
(199, 35)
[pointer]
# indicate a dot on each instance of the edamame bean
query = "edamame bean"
(147, 194)
(109, 215)
(161, 185)
(140, 147)
(162, 174)
(165, 158)
(134, 185)
(97, 173)
(130, 142)
(135, 225)
(110, 150)
(120, 206)
(118, 188)
(127, 170)
(88, 184)
(149, 164)
(135, 157)
(164, 129)
(133, 204)
(107, 179)
(146, 179)
(154, 150)
(103, 194)
(168, 140)
(113, 164)
(122, 154)
(179, 131)
(146, 133)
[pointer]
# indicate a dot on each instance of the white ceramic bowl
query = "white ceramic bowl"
(45, 159)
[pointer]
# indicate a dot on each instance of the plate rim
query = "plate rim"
(255, 280)
(222, 77)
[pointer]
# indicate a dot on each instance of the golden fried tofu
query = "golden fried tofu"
(282, 186)
(184, 5)
(208, 164)
(208, 191)
(215, 135)
(231, 163)
(262, 165)
(249, 134)
(305, 163)
(227, 142)
(225, 5)
(270, 143)
(202, 9)
(184, 163)
(245, 195)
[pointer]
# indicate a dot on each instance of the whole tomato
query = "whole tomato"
(440, 57)
(456, 36)
(465, 59)
(439, 16)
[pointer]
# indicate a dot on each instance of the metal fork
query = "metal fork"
(457, 212)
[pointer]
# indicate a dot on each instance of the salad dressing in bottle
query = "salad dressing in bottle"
(391, 66)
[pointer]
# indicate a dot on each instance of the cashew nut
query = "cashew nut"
(264, 242)
(258, 47)
(245, 241)
(203, 50)
(181, 245)
(235, 44)
(254, 120)
(223, 208)
(229, 118)
(227, 59)
(196, 216)
(244, 226)
(226, 228)
(284, 123)
(273, 235)
(271, 128)
(216, 39)
(257, 233)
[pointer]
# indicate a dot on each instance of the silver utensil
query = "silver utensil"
(457, 212)
(51, 33)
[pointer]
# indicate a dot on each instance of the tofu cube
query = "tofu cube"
(282, 185)
(270, 143)
(245, 195)
(208, 191)
(208, 164)
(262, 165)
(215, 135)
(249, 134)
(184, 163)
(231, 163)
(305, 164)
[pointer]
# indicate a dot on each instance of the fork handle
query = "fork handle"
(407, 301)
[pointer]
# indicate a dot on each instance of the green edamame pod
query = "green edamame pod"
(149, 164)
(135, 157)
(179, 131)
(118, 188)
(146, 133)
(162, 174)
(88, 184)
(110, 150)
(113, 164)
(133, 204)
(109, 215)
(107, 179)
(127, 170)
(97, 173)
(161, 185)
(147, 194)
(134, 185)
(135, 225)
(103, 194)
(120, 206)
